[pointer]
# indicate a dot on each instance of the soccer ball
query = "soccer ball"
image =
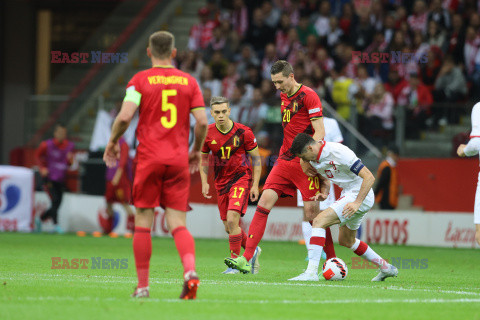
(334, 269)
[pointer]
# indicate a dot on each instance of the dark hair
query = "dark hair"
(282, 66)
(301, 141)
(161, 44)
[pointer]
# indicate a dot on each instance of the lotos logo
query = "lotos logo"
(9, 195)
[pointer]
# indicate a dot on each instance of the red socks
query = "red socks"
(235, 244)
(142, 250)
(329, 248)
(256, 231)
(185, 247)
(244, 239)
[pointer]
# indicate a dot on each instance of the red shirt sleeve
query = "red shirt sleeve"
(40, 154)
(197, 96)
(122, 163)
(313, 104)
(250, 140)
(205, 148)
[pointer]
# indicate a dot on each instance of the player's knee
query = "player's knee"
(231, 224)
(320, 222)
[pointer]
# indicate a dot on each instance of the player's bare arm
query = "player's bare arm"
(367, 183)
(319, 134)
(461, 150)
(200, 131)
(120, 125)
(204, 175)
(257, 171)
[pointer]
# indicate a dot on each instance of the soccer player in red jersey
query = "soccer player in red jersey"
(118, 188)
(301, 112)
(230, 142)
(165, 97)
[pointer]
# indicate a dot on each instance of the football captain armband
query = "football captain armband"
(133, 95)
(357, 166)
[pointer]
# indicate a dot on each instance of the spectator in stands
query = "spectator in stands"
(429, 71)
(217, 43)
(419, 46)
(281, 36)
(395, 83)
(239, 18)
(342, 90)
(54, 156)
(253, 76)
(362, 33)
(258, 33)
(389, 28)
(418, 20)
(322, 23)
(207, 95)
(323, 60)
(271, 13)
(345, 21)
(207, 81)
(417, 99)
(229, 82)
(305, 29)
(456, 40)
(377, 121)
(269, 93)
(269, 58)
(294, 46)
(192, 64)
(451, 85)
(254, 114)
(264, 148)
(472, 43)
(219, 64)
(436, 36)
(400, 16)
(387, 187)
(202, 32)
(439, 14)
(336, 33)
(364, 82)
(247, 57)
(377, 15)
(232, 42)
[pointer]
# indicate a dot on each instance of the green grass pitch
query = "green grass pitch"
(449, 288)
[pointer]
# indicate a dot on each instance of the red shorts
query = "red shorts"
(156, 184)
(287, 176)
(236, 199)
(122, 192)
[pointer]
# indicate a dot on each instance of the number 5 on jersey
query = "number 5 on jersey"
(166, 106)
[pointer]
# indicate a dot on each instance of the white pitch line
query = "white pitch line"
(120, 279)
(200, 300)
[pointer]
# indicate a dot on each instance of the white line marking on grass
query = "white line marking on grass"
(200, 300)
(122, 279)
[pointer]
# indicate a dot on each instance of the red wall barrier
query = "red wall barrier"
(440, 184)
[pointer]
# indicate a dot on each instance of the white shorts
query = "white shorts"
(323, 204)
(476, 211)
(355, 221)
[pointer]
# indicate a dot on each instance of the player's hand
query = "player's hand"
(43, 172)
(461, 150)
(111, 154)
(205, 190)
(349, 209)
(254, 193)
(194, 160)
(308, 169)
(319, 197)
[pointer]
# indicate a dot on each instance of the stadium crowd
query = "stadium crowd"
(332, 45)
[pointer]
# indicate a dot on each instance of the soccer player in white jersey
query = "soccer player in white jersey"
(332, 134)
(470, 149)
(341, 166)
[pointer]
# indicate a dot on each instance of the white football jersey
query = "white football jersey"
(475, 121)
(340, 165)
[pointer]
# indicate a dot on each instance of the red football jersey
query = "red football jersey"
(297, 112)
(167, 97)
(229, 153)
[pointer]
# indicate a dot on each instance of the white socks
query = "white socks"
(317, 241)
(307, 233)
